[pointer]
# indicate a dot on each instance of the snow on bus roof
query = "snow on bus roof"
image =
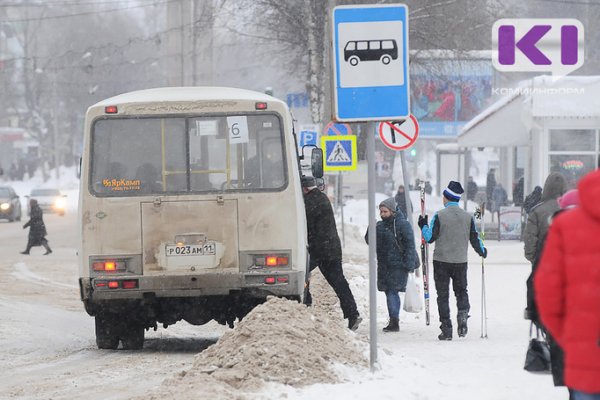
(196, 93)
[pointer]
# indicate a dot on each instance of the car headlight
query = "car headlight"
(4, 206)
(59, 203)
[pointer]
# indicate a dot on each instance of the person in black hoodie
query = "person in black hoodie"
(37, 228)
(325, 248)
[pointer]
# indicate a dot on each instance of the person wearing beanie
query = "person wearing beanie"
(567, 289)
(452, 229)
(325, 249)
(396, 257)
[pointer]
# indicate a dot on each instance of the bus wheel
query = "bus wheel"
(133, 337)
(353, 61)
(386, 59)
(106, 333)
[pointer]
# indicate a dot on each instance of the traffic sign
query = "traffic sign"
(370, 52)
(340, 153)
(333, 129)
(309, 135)
(399, 135)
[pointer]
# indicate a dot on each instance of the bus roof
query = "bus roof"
(195, 93)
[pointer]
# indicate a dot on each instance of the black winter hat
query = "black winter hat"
(453, 191)
(308, 181)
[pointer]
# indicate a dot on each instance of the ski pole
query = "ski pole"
(424, 258)
(483, 299)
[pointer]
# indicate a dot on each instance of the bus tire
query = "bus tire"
(354, 61)
(106, 333)
(133, 337)
(385, 59)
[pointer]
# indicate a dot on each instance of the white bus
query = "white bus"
(190, 208)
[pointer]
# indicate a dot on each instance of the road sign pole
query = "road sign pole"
(406, 178)
(372, 247)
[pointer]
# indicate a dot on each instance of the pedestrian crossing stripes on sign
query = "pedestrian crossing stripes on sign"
(340, 152)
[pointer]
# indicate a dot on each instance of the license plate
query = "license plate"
(206, 249)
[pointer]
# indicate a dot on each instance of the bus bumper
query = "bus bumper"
(260, 285)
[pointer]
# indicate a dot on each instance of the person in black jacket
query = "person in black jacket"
(325, 248)
(400, 199)
(396, 257)
(37, 228)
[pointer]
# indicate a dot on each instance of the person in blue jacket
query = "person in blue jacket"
(451, 229)
(396, 257)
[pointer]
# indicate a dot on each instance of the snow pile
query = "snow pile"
(280, 341)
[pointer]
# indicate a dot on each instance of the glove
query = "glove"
(422, 221)
(484, 253)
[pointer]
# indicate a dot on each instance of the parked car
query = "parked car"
(10, 205)
(50, 200)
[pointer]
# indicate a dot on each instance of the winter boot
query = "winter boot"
(393, 325)
(446, 332)
(354, 321)
(462, 323)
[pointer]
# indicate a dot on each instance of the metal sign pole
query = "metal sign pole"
(406, 178)
(372, 248)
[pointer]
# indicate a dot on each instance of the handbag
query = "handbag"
(412, 297)
(537, 358)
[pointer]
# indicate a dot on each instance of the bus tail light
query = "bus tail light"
(111, 110)
(260, 105)
(109, 266)
(117, 284)
(271, 260)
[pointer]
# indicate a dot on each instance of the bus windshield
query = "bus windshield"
(177, 155)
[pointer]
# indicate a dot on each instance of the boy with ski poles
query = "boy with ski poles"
(452, 229)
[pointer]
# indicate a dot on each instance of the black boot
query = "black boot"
(462, 323)
(354, 321)
(47, 247)
(393, 325)
(446, 332)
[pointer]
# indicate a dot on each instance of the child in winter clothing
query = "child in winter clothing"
(396, 257)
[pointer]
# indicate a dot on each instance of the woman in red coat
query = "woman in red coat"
(567, 288)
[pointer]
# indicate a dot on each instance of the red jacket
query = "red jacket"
(567, 286)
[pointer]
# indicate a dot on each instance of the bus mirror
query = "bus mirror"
(316, 158)
(79, 169)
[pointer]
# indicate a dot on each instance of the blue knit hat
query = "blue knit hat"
(453, 191)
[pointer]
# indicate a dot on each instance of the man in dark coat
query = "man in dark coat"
(325, 248)
(37, 228)
(472, 189)
(400, 199)
(396, 257)
(452, 229)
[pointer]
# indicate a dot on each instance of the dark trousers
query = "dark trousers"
(334, 274)
(442, 273)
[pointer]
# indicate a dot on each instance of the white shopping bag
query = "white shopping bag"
(413, 299)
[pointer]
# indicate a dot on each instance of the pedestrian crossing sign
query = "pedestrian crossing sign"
(340, 153)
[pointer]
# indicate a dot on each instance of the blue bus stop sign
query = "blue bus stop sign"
(370, 50)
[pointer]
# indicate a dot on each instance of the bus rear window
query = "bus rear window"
(154, 156)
